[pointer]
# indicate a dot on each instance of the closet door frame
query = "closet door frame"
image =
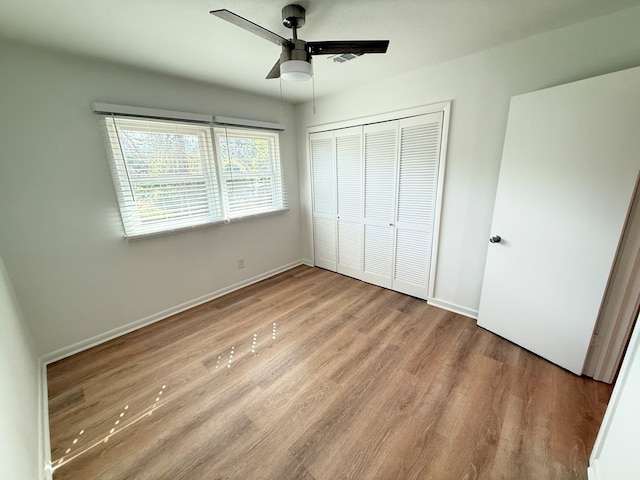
(445, 108)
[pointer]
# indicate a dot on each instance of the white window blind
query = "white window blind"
(171, 175)
(250, 171)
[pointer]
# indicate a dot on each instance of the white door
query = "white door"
(324, 199)
(569, 168)
(349, 181)
(418, 163)
(380, 153)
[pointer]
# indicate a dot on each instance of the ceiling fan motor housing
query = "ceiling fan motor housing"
(293, 16)
(298, 52)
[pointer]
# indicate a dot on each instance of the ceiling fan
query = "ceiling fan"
(294, 63)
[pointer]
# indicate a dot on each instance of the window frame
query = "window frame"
(215, 184)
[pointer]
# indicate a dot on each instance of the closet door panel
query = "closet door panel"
(380, 158)
(324, 199)
(349, 185)
(420, 139)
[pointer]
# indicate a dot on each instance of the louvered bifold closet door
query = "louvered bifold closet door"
(380, 158)
(420, 139)
(322, 151)
(350, 205)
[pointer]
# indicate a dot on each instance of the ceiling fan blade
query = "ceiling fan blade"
(250, 26)
(347, 46)
(275, 71)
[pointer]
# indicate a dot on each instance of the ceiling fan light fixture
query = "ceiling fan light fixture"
(296, 70)
(294, 64)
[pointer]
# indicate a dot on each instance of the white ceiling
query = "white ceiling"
(180, 37)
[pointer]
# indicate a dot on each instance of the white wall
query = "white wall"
(480, 87)
(76, 277)
(19, 440)
(74, 274)
(615, 453)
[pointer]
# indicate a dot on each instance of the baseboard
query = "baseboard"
(452, 307)
(143, 322)
(592, 471)
(307, 262)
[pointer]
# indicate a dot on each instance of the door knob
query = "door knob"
(495, 239)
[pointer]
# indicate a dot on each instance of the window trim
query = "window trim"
(102, 108)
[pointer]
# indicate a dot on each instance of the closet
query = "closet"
(376, 190)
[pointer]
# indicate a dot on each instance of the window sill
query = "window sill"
(136, 238)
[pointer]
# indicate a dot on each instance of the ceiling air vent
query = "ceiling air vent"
(344, 57)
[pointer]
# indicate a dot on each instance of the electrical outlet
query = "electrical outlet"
(240, 263)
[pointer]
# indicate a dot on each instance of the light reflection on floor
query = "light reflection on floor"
(126, 418)
(122, 421)
(231, 355)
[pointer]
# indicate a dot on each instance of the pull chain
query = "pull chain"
(313, 92)
(281, 104)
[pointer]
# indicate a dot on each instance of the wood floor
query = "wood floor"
(312, 375)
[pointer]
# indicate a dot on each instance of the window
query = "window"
(249, 170)
(171, 175)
